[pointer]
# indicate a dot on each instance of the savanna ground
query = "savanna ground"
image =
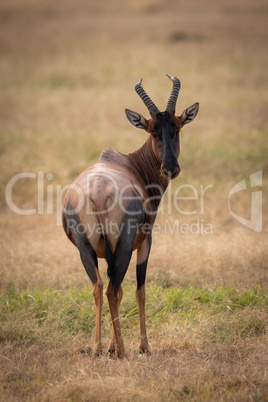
(67, 72)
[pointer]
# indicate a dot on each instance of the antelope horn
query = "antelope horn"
(153, 110)
(171, 106)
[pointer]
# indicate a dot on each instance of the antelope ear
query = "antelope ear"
(137, 120)
(189, 114)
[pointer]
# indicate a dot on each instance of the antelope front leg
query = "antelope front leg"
(98, 296)
(142, 260)
(112, 342)
(114, 300)
(144, 344)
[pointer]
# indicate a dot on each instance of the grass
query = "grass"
(214, 329)
(66, 75)
(30, 315)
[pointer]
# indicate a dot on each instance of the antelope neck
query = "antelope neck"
(145, 162)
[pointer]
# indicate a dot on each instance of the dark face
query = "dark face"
(165, 128)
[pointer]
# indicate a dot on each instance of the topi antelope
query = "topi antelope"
(110, 209)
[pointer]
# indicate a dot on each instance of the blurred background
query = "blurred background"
(68, 71)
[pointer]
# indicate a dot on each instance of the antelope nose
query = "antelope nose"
(172, 173)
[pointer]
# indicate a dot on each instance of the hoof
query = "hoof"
(99, 354)
(85, 352)
(144, 348)
(111, 351)
(145, 352)
(112, 354)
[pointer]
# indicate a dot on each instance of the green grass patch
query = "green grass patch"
(45, 316)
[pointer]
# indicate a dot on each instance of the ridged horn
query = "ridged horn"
(171, 106)
(153, 110)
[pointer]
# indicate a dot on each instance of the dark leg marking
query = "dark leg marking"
(118, 263)
(141, 273)
(76, 232)
(140, 294)
(142, 267)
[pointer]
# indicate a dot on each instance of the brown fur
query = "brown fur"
(135, 170)
(103, 200)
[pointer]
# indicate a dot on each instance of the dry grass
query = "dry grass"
(67, 73)
(172, 373)
(203, 348)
